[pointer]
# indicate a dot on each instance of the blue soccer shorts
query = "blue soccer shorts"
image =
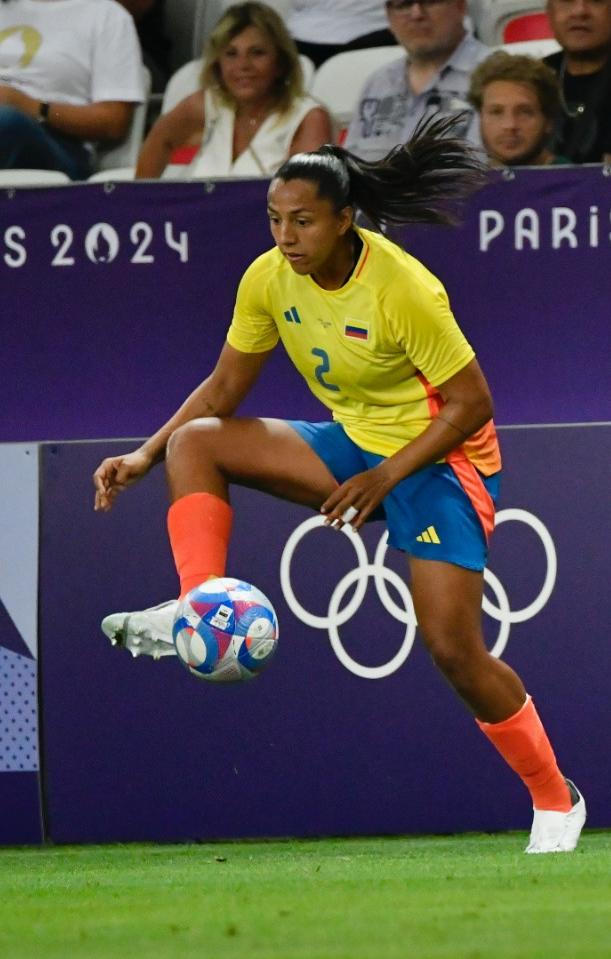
(428, 515)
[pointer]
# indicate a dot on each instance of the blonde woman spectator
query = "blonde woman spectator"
(250, 113)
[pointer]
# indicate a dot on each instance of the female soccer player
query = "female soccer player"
(412, 436)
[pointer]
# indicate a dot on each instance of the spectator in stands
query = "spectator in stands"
(250, 113)
(518, 101)
(434, 78)
(344, 25)
(583, 30)
(149, 19)
(70, 74)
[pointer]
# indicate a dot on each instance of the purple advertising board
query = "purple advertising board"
(116, 299)
(350, 730)
(20, 809)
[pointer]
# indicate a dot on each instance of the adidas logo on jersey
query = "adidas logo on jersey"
(429, 535)
(291, 315)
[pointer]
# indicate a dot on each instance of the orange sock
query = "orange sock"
(523, 744)
(199, 526)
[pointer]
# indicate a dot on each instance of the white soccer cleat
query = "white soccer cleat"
(145, 633)
(558, 831)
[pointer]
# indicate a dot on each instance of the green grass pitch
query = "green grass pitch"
(458, 897)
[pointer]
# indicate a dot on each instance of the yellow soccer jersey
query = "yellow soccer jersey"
(372, 351)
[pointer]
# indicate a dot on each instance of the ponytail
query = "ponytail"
(421, 181)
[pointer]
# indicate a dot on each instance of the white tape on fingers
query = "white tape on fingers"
(349, 514)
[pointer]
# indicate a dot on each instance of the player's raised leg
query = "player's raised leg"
(203, 458)
(447, 600)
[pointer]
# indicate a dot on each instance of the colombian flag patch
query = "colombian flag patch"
(356, 329)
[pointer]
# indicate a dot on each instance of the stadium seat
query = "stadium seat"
(125, 154)
(509, 21)
(529, 26)
(532, 48)
(114, 175)
(308, 69)
(186, 81)
(181, 84)
(337, 82)
(22, 177)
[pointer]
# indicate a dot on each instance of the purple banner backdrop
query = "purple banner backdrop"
(134, 749)
(116, 299)
(20, 812)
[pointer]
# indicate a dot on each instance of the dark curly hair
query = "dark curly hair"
(515, 68)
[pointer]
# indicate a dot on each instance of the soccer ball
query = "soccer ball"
(225, 631)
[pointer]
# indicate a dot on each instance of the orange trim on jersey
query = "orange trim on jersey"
(360, 269)
(483, 448)
(433, 396)
(463, 468)
(474, 487)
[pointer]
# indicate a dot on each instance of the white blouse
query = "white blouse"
(266, 151)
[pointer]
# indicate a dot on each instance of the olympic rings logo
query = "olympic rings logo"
(337, 616)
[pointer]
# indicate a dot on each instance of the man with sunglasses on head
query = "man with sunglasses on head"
(433, 78)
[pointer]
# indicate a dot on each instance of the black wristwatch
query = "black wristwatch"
(43, 111)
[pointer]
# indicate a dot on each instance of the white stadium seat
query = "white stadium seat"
(115, 175)
(338, 81)
(22, 177)
(125, 153)
(308, 69)
(181, 84)
(508, 21)
(532, 48)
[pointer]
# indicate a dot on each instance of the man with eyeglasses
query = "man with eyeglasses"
(433, 79)
(583, 30)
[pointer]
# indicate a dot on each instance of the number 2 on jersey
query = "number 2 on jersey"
(323, 367)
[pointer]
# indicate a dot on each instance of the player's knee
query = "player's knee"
(190, 438)
(455, 656)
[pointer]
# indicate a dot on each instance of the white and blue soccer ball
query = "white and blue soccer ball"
(225, 631)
